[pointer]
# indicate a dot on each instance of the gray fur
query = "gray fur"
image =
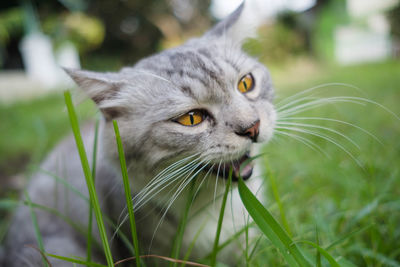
(144, 99)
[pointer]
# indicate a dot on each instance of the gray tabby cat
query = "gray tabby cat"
(188, 113)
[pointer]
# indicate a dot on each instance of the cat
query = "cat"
(186, 114)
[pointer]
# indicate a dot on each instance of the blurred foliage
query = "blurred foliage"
(67, 27)
(394, 20)
(11, 26)
(124, 31)
(330, 15)
(276, 44)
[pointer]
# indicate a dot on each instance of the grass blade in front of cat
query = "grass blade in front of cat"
(127, 188)
(94, 159)
(36, 226)
(270, 227)
(220, 219)
(88, 176)
(176, 247)
(72, 260)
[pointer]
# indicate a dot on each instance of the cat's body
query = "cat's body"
(187, 105)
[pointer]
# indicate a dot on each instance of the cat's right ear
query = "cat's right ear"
(102, 88)
(238, 26)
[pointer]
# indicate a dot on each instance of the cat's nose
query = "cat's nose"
(251, 132)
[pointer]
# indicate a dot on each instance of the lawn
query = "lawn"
(333, 196)
(343, 189)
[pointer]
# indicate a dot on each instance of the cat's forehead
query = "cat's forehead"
(200, 70)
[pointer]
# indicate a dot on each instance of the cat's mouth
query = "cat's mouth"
(241, 167)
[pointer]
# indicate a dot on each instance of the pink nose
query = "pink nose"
(251, 132)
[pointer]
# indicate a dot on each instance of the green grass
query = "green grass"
(325, 210)
(128, 194)
(89, 179)
(220, 220)
(334, 193)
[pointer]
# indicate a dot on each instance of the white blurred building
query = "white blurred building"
(367, 37)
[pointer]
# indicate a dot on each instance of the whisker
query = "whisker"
(157, 177)
(198, 188)
(144, 199)
(154, 75)
(317, 103)
(173, 198)
(216, 182)
(305, 141)
(172, 166)
(327, 138)
(291, 103)
(339, 121)
(165, 182)
(315, 88)
(320, 127)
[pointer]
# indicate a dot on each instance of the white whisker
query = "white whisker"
(181, 187)
(335, 120)
(315, 88)
(317, 103)
(305, 141)
(329, 139)
(320, 127)
(216, 182)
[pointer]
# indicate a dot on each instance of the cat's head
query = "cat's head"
(206, 98)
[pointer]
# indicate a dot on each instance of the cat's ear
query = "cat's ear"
(238, 26)
(102, 88)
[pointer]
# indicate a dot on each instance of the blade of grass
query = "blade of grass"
(246, 248)
(35, 226)
(254, 249)
(220, 219)
(384, 260)
(109, 222)
(191, 246)
(94, 159)
(88, 176)
(324, 253)
(85, 263)
(190, 263)
(270, 227)
(128, 195)
(275, 192)
(318, 258)
(65, 183)
(55, 212)
(346, 237)
(231, 239)
(176, 247)
(7, 204)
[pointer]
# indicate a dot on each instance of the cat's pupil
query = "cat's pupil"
(191, 118)
(245, 85)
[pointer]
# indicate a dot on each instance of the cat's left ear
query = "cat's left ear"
(103, 88)
(238, 26)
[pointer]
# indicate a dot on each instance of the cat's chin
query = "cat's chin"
(238, 168)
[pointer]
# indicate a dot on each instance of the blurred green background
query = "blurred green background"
(328, 41)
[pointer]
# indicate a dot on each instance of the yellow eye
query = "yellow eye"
(246, 83)
(191, 118)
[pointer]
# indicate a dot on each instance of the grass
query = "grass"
(334, 193)
(220, 220)
(336, 211)
(89, 179)
(128, 194)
